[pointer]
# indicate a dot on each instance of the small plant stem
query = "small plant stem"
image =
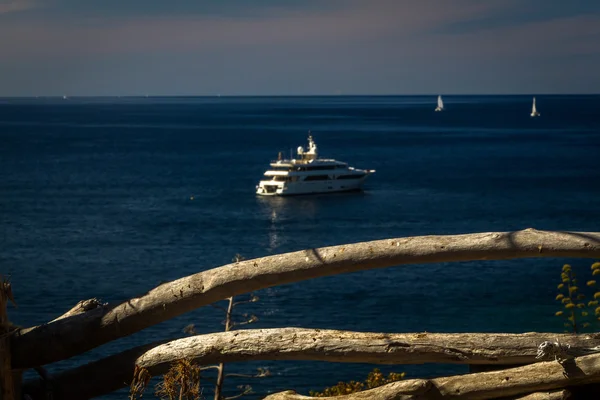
(574, 324)
(221, 374)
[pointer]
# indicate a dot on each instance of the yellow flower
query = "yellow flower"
(560, 297)
(559, 313)
(566, 300)
(597, 310)
(586, 324)
(596, 272)
(591, 283)
(592, 303)
(584, 313)
(571, 305)
(580, 305)
(597, 295)
(566, 268)
(573, 289)
(561, 286)
(596, 265)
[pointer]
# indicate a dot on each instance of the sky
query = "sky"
(298, 47)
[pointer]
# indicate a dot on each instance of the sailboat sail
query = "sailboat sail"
(440, 104)
(534, 112)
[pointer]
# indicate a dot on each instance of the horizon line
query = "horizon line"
(286, 95)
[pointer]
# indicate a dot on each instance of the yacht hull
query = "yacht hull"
(270, 188)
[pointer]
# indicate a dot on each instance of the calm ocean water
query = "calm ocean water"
(96, 200)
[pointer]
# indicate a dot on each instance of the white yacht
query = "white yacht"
(310, 174)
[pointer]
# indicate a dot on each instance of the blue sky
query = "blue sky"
(298, 47)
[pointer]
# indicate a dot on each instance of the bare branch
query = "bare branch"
(519, 381)
(359, 347)
(252, 299)
(563, 394)
(246, 389)
(219, 307)
(247, 375)
(82, 307)
(239, 375)
(208, 367)
(94, 379)
(400, 390)
(252, 319)
(70, 336)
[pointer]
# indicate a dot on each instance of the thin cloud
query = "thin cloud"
(12, 6)
(384, 46)
(564, 37)
(348, 23)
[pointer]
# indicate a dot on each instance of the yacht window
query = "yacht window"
(349, 177)
(279, 178)
(316, 178)
(321, 168)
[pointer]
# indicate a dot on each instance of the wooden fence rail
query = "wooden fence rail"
(70, 336)
(92, 323)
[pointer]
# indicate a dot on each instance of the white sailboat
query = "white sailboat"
(440, 104)
(534, 112)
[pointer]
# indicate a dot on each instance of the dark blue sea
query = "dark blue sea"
(108, 197)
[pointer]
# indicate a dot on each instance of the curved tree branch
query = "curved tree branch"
(70, 336)
(112, 373)
(561, 394)
(397, 392)
(544, 376)
(358, 347)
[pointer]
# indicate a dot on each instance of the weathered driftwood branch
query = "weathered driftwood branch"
(484, 385)
(112, 373)
(562, 394)
(358, 347)
(74, 335)
(82, 307)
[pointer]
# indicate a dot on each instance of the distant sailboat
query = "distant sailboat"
(534, 112)
(440, 104)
